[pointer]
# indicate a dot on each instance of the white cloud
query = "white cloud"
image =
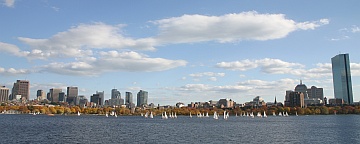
(210, 76)
(229, 28)
(267, 65)
(9, 3)
(276, 66)
(80, 41)
(355, 29)
(114, 61)
(312, 25)
(13, 71)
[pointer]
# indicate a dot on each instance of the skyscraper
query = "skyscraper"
(142, 98)
(101, 97)
(342, 78)
(72, 91)
(40, 94)
(115, 94)
(54, 94)
(128, 98)
(71, 95)
(21, 87)
(4, 94)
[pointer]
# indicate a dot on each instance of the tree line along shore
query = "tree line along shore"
(310, 110)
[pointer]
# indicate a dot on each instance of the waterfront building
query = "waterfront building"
(40, 94)
(315, 93)
(302, 88)
(54, 94)
(82, 101)
(72, 95)
(336, 101)
(225, 103)
(342, 78)
(4, 94)
(128, 98)
(21, 87)
(142, 98)
(101, 95)
(62, 97)
(296, 99)
(115, 94)
(96, 100)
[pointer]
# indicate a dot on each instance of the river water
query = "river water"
(136, 129)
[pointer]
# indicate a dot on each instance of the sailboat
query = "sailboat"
(274, 114)
(78, 113)
(265, 115)
(151, 115)
(215, 116)
(207, 114)
(106, 115)
(280, 114)
(286, 114)
(259, 114)
(175, 115)
(165, 116)
(115, 115)
(296, 114)
(225, 115)
(190, 115)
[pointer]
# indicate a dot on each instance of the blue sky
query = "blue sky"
(178, 51)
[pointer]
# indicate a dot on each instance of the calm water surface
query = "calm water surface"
(134, 129)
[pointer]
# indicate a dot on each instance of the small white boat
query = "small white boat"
(78, 113)
(265, 115)
(296, 114)
(115, 115)
(259, 114)
(215, 116)
(190, 115)
(151, 115)
(274, 114)
(280, 114)
(106, 115)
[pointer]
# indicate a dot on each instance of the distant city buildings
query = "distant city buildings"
(129, 100)
(312, 96)
(142, 98)
(342, 78)
(54, 94)
(21, 88)
(40, 95)
(4, 94)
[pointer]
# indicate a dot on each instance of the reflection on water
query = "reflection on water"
(134, 129)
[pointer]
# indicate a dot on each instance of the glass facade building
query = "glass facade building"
(142, 98)
(342, 78)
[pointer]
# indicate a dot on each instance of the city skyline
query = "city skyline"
(178, 52)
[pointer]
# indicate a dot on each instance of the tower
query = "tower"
(142, 98)
(342, 78)
(21, 87)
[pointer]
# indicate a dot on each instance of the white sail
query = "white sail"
(106, 115)
(175, 115)
(259, 114)
(115, 115)
(78, 113)
(274, 114)
(151, 115)
(280, 114)
(165, 116)
(190, 115)
(265, 115)
(207, 114)
(296, 114)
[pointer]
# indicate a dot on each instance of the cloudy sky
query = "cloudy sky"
(178, 51)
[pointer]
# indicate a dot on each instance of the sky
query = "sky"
(178, 51)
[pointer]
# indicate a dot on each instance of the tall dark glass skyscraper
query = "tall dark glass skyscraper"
(342, 78)
(142, 98)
